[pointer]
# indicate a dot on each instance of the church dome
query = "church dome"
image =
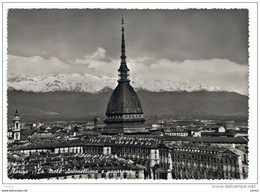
(124, 100)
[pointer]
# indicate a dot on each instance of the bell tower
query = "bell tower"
(16, 127)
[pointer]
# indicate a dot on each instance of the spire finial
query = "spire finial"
(123, 67)
(16, 112)
(123, 40)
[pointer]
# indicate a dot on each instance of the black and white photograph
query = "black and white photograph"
(148, 95)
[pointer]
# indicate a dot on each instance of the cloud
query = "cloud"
(99, 53)
(35, 65)
(173, 34)
(96, 63)
(221, 73)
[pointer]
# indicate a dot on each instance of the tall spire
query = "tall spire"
(123, 57)
(123, 70)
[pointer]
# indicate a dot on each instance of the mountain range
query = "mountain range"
(92, 84)
(68, 105)
(81, 96)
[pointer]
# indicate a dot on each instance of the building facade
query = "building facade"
(159, 160)
(207, 163)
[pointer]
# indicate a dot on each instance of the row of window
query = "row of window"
(130, 149)
(127, 116)
(197, 150)
(205, 163)
(93, 149)
(207, 158)
(134, 156)
(203, 171)
(206, 176)
(111, 175)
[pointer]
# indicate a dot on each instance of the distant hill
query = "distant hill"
(82, 106)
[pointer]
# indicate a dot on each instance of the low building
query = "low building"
(197, 162)
(162, 157)
(95, 167)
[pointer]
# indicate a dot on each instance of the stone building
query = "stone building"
(205, 162)
(67, 165)
(160, 160)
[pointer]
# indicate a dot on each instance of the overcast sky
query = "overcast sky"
(206, 45)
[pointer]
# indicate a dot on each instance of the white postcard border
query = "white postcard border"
(253, 61)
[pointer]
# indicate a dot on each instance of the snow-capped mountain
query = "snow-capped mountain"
(61, 82)
(168, 86)
(92, 84)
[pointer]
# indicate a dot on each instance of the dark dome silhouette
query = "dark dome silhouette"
(124, 100)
